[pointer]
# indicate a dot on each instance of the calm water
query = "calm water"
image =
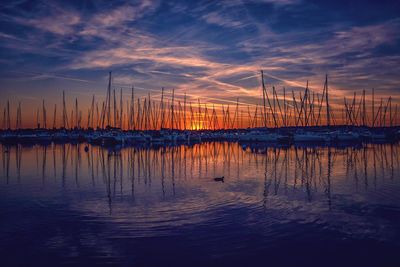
(277, 206)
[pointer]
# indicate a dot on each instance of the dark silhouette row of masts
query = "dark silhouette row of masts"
(308, 109)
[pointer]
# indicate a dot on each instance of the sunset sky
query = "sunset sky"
(209, 49)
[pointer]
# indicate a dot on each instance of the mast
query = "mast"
(17, 121)
(255, 119)
(18, 124)
(205, 117)
(363, 116)
(352, 111)
(294, 109)
(55, 116)
(149, 113)
(76, 114)
(214, 116)
(269, 103)
(228, 119)
(184, 112)
(274, 108)
(304, 105)
(115, 110)
(44, 115)
(97, 116)
(128, 114)
(37, 118)
(237, 114)
(223, 117)
(120, 110)
(241, 119)
(20, 115)
(199, 114)
(249, 116)
(65, 121)
(144, 116)
(327, 102)
(279, 106)
(373, 107)
(103, 114)
(390, 111)
(380, 112)
(92, 113)
(88, 119)
(133, 108)
(264, 94)
(72, 118)
(138, 114)
(162, 108)
(179, 115)
(156, 115)
(108, 100)
(192, 118)
(8, 115)
(284, 107)
(384, 114)
(172, 109)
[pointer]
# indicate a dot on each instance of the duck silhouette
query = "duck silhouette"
(219, 179)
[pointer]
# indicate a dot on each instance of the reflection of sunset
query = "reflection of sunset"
(281, 179)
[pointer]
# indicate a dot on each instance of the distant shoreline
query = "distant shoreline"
(110, 136)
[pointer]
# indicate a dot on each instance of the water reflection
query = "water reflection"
(282, 171)
(152, 192)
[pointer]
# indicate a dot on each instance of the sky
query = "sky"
(213, 50)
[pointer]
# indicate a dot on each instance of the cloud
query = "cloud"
(212, 49)
(60, 22)
(109, 23)
(218, 19)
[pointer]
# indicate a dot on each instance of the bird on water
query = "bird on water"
(219, 179)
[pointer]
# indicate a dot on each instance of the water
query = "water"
(277, 206)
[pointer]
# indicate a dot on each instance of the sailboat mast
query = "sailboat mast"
(76, 113)
(373, 107)
(327, 102)
(133, 108)
(115, 110)
(120, 110)
(264, 95)
(64, 112)
(198, 115)
(162, 108)
(284, 107)
(390, 111)
(37, 118)
(172, 109)
(184, 112)
(363, 112)
(92, 113)
(44, 115)
(108, 101)
(55, 116)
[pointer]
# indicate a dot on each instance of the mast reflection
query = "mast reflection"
(305, 173)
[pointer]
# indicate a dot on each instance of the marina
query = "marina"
(306, 119)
